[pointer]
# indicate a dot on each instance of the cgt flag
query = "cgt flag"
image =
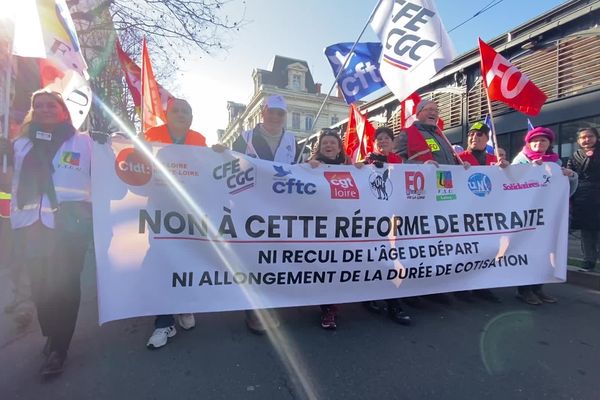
(359, 137)
(505, 83)
(360, 76)
(415, 44)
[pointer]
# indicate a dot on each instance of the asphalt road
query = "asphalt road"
(461, 351)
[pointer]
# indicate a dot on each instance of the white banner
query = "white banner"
(214, 232)
(415, 44)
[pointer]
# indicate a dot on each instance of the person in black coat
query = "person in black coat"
(586, 200)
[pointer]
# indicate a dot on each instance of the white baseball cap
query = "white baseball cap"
(276, 101)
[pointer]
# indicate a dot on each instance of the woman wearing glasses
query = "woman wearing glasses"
(51, 216)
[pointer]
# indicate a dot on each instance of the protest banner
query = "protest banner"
(207, 231)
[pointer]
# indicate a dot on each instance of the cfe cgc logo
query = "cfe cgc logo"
(286, 184)
(342, 185)
(380, 185)
(445, 186)
(414, 183)
(132, 167)
(479, 184)
(238, 174)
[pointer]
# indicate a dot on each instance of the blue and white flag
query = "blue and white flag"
(416, 44)
(360, 76)
(489, 148)
(529, 125)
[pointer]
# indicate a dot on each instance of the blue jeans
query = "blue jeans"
(164, 321)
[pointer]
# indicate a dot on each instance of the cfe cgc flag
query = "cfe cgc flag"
(360, 75)
(505, 83)
(415, 44)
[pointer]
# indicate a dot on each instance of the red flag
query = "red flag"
(133, 78)
(359, 137)
(408, 110)
(153, 112)
(504, 82)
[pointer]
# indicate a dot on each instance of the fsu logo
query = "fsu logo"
(342, 185)
(132, 167)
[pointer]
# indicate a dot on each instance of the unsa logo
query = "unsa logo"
(480, 184)
(132, 167)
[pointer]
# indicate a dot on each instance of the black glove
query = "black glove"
(377, 159)
(99, 137)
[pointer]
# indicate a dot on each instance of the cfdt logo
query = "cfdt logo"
(381, 186)
(132, 167)
(480, 184)
(238, 174)
(445, 186)
(414, 183)
(342, 185)
(290, 185)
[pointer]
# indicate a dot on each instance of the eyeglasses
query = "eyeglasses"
(476, 133)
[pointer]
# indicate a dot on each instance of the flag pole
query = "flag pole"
(7, 87)
(494, 139)
(142, 89)
(337, 76)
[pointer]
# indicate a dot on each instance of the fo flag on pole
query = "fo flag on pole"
(415, 44)
(153, 113)
(133, 77)
(505, 83)
(360, 77)
(359, 137)
(44, 29)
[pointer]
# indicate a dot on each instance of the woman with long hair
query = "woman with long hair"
(51, 217)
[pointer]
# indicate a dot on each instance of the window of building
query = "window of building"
(295, 120)
(308, 122)
(296, 81)
(334, 120)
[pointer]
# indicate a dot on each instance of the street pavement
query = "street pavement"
(459, 351)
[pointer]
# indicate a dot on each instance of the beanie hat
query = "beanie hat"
(540, 131)
(480, 126)
(423, 104)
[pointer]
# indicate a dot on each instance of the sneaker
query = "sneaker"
(328, 319)
(544, 297)
(398, 315)
(186, 321)
(528, 297)
(160, 336)
(588, 266)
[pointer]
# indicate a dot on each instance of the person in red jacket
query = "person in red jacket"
(177, 131)
(477, 139)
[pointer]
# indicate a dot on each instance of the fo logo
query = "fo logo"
(132, 167)
(480, 184)
(381, 186)
(414, 183)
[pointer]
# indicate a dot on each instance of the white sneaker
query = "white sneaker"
(186, 321)
(159, 337)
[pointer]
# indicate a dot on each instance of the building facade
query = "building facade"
(558, 51)
(292, 79)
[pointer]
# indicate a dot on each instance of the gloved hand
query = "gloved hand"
(99, 137)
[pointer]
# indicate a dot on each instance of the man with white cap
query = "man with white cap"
(423, 142)
(268, 140)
